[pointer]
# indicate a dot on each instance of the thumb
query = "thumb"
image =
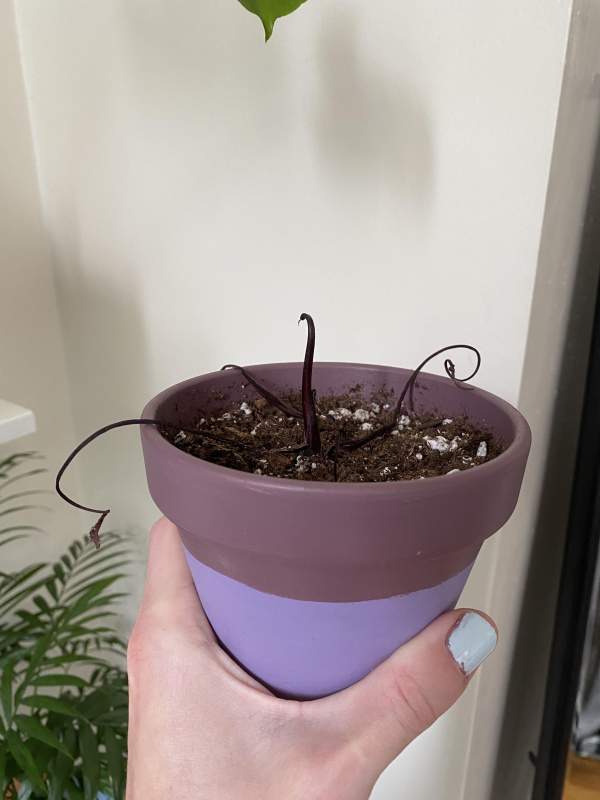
(402, 697)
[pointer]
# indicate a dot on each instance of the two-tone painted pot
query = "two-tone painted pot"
(310, 585)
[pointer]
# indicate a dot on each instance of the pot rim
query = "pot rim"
(521, 441)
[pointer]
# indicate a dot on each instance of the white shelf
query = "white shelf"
(15, 421)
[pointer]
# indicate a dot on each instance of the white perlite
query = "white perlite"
(447, 421)
(419, 456)
(245, 409)
(254, 429)
(366, 426)
(385, 471)
(340, 413)
(361, 415)
(180, 437)
(375, 408)
(404, 421)
(441, 444)
(482, 450)
(301, 463)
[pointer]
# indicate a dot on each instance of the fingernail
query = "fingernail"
(471, 641)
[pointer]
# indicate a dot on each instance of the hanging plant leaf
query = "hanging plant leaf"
(270, 10)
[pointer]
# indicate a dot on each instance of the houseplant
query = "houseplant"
(310, 584)
(63, 701)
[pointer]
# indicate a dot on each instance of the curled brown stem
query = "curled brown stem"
(271, 398)
(94, 533)
(409, 388)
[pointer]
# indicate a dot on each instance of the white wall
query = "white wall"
(381, 165)
(32, 362)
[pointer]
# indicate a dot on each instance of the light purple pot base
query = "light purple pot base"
(306, 649)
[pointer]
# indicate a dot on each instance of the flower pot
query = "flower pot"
(310, 585)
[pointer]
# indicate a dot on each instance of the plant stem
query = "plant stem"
(272, 399)
(409, 388)
(312, 435)
(94, 533)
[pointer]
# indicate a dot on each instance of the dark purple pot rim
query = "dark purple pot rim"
(414, 488)
(337, 542)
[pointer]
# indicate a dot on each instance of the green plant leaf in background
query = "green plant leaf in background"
(63, 736)
(270, 10)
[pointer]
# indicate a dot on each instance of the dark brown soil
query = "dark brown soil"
(254, 437)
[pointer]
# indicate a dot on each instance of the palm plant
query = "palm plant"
(63, 701)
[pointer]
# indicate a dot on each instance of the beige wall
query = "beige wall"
(32, 363)
(383, 166)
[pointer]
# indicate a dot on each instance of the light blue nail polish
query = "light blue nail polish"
(471, 641)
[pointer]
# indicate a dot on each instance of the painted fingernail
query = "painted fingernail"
(471, 641)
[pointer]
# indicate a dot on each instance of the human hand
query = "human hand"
(201, 728)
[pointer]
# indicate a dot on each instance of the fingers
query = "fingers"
(169, 590)
(385, 711)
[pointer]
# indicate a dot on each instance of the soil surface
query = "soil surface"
(254, 437)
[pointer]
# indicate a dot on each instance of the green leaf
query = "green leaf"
(51, 589)
(81, 584)
(73, 658)
(84, 599)
(41, 603)
(49, 703)
(73, 792)
(59, 680)
(24, 759)
(97, 703)
(118, 717)
(8, 674)
(14, 528)
(30, 726)
(115, 758)
(270, 10)
(13, 590)
(88, 747)
(67, 562)
(62, 765)
(120, 557)
(37, 656)
(25, 493)
(3, 775)
(18, 509)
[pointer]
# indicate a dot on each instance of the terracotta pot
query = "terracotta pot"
(310, 585)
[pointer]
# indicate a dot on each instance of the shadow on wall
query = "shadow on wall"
(205, 59)
(519, 737)
(109, 379)
(367, 124)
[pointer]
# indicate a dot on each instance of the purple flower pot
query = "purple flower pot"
(310, 585)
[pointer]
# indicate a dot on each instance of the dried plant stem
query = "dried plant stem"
(409, 388)
(94, 533)
(272, 399)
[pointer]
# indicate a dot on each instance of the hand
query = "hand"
(201, 728)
